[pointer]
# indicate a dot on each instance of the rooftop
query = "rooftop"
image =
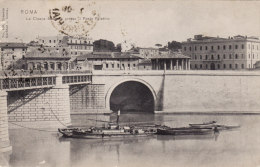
(107, 55)
(202, 38)
(12, 45)
(172, 55)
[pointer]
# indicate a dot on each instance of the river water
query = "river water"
(237, 148)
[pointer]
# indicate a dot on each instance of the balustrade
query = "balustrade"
(27, 82)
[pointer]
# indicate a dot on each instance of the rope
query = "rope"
(31, 128)
(56, 116)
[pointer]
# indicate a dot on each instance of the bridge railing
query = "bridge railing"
(43, 81)
(76, 79)
(27, 82)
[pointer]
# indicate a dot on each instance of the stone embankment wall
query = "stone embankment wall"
(40, 107)
(87, 99)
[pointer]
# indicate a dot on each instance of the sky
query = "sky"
(143, 23)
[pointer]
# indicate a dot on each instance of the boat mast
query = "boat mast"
(118, 114)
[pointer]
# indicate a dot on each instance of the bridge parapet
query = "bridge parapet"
(43, 81)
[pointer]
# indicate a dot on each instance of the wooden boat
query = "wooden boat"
(185, 131)
(203, 124)
(113, 131)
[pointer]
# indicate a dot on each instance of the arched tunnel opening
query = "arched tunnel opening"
(132, 96)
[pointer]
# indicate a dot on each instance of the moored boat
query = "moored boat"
(113, 131)
(185, 131)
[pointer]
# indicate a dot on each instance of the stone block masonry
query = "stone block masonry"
(87, 99)
(4, 135)
(40, 108)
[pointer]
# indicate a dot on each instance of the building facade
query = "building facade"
(76, 46)
(108, 61)
(11, 54)
(148, 53)
(214, 53)
(171, 61)
(47, 59)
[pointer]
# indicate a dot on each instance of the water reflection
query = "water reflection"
(31, 148)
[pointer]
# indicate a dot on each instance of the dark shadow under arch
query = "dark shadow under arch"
(132, 96)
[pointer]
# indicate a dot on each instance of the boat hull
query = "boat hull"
(88, 135)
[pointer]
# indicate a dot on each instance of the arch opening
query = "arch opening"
(132, 96)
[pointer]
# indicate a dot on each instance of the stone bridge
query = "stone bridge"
(48, 101)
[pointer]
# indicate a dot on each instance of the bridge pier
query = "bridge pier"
(4, 134)
(40, 108)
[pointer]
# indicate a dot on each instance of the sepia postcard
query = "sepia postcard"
(127, 83)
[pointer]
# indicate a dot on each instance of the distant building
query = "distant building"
(51, 41)
(47, 59)
(108, 61)
(145, 64)
(11, 55)
(171, 61)
(77, 46)
(214, 53)
(148, 52)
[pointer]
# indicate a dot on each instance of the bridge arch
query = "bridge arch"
(132, 80)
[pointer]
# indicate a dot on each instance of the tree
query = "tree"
(158, 45)
(118, 47)
(103, 46)
(174, 45)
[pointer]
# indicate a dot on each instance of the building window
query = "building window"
(106, 65)
(206, 57)
(253, 56)
(112, 65)
(184, 48)
(249, 56)
(195, 57)
(12, 49)
(224, 56)
(242, 46)
(206, 47)
(117, 65)
(230, 46)
(212, 57)
(195, 66)
(212, 47)
(42, 41)
(218, 47)
(134, 65)
(200, 47)
(218, 57)
(236, 56)
(59, 41)
(252, 47)
(236, 47)
(230, 56)
(230, 66)
(206, 66)
(128, 65)
(76, 53)
(54, 41)
(49, 41)
(195, 47)
(224, 66)
(224, 47)
(236, 66)
(201, 66)
(242, 66)
(190, 48)
(218, 66)
(200, 57)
